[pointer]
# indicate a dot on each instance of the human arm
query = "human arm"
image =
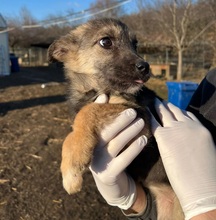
(210, 215)
(108, 167)
(189, 157)
(116, 136)
(109, 163)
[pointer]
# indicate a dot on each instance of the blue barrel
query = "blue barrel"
(180, 93)
(14, 63)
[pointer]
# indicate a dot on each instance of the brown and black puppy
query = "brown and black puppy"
(100, 57)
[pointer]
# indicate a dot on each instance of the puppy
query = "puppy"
(101, 57)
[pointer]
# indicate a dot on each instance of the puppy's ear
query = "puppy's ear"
(60, 49)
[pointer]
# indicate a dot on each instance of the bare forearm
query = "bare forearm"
(140, 205)
(141, 202)
(144, 206)
(159, 201)
(211, 215)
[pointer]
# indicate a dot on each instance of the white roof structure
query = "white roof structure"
(3, 24)
(4, 49)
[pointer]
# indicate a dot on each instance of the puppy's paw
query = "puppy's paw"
(76, 157)
(72, 181)
(72, 168)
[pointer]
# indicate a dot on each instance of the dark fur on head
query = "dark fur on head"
(100, 69)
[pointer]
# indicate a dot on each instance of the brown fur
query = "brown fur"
(100, 57)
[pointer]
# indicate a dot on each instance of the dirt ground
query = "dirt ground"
(34, 120)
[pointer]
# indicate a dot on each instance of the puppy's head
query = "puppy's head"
(105, 51)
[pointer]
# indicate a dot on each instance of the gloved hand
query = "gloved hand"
(189, 157)
(108, 166)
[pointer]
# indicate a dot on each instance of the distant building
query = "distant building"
(167, 71)
(4, 49)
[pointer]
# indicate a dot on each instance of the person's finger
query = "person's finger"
(124, 137)
(121, 122)
(128, 155)
(101, 99)
(165, 115)
(192, 116)
(179, 114)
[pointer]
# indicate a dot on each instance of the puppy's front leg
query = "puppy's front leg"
(77, 152)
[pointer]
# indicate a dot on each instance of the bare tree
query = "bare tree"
(107, 8)
(209, 36)
(184, 24)
(25, 37)
(181, 22)
(26, 17)
(20, 36)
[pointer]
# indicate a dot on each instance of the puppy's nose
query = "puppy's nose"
(142, 66)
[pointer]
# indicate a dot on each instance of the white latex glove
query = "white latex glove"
(189, 157)
(108, 166)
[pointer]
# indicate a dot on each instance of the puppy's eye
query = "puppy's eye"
(105, 42)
